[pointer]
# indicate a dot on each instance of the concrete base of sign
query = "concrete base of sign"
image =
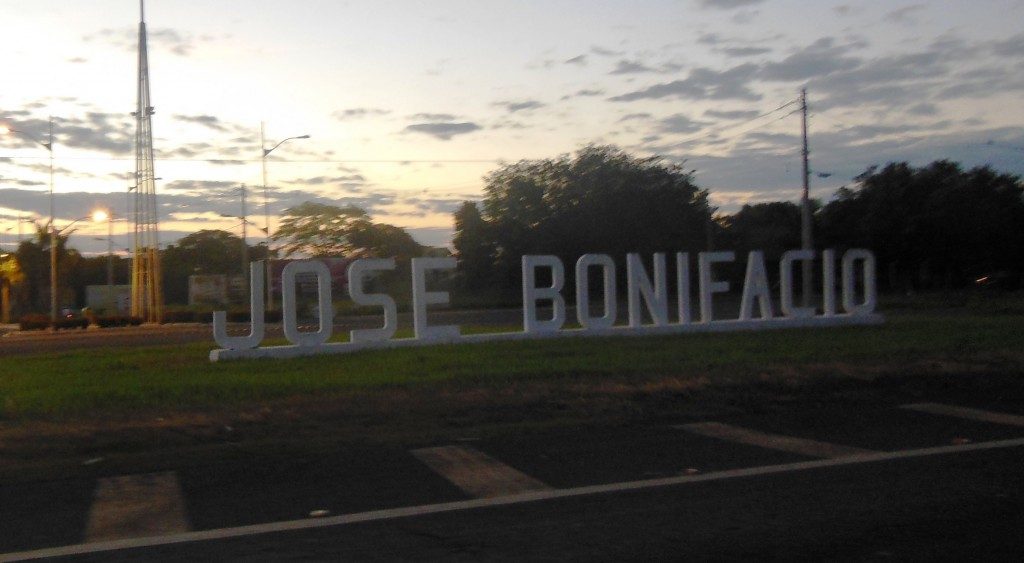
(293, 351)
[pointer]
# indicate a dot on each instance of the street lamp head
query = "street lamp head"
(283, 141)
(100, 215)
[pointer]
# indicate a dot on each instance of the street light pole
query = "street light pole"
(245, 246)
(53, 240)
(108, 216)
(53, 227)
(266, 210)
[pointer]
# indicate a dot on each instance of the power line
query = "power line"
(297, 161)
(713, 132)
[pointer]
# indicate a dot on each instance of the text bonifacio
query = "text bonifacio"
(646, 291)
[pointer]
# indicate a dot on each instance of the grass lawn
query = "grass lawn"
(145, 408)
(166, 379)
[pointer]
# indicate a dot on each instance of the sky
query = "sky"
(410, 104)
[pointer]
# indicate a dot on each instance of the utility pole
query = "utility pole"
(264, 153)
(53, 241)
(245, 246)
(806, 240)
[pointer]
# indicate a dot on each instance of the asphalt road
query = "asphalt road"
(957, 507)
(859, 482)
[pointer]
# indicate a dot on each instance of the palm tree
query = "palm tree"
(10, 275)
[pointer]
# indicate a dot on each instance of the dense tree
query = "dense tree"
(203, 252)
(771, 227)
(384, 241)
(93, 271)
(10, 276)
(34, 259)
(318, 229)
(474, 251)
(599, 200)
(931, 226)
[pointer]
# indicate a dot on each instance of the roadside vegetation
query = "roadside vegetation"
(149, 381)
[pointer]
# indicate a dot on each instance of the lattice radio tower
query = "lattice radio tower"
(147, 292)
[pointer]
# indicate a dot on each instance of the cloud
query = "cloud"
(631, 67)
(905, 15)
(731, 47)
(585, 93)
(188, 150)
(605, 52)
(443, 131)
(70, 206)
(679, 123)
(923, 109)
(181, 44)
(197, 188)
(727, 4)
(633, 116)
(1012, 47)
(433, 117)
(896, 82)
(739, 52)
(98, 131)
(359, 113)
(349, 182)
(208, 121)
(526, 105)
(702, 84)
(818, 59)
(737, 114)
(580, 60)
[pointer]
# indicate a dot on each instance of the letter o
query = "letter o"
(324, 305)
(850, 304)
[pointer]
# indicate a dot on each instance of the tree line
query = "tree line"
(937, 226)
(309, 229)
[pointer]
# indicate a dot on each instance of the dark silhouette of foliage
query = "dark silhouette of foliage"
(474, 250)
(600, 200)
(932, 226)
(323, 230)
(200, 253)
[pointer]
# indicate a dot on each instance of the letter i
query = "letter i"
(828, 282)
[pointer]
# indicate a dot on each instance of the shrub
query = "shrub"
(238, 316)
(34, 321)
(117, 320)
(37, 321)
(179, 317)
(78, 322)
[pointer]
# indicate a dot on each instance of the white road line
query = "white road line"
(477, 473)
(133, 506)
(968, 413)
(802, 446)
(551, 494)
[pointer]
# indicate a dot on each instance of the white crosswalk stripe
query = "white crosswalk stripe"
(967, 413)
(802, 446)
(133, 506)
(477, 473)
